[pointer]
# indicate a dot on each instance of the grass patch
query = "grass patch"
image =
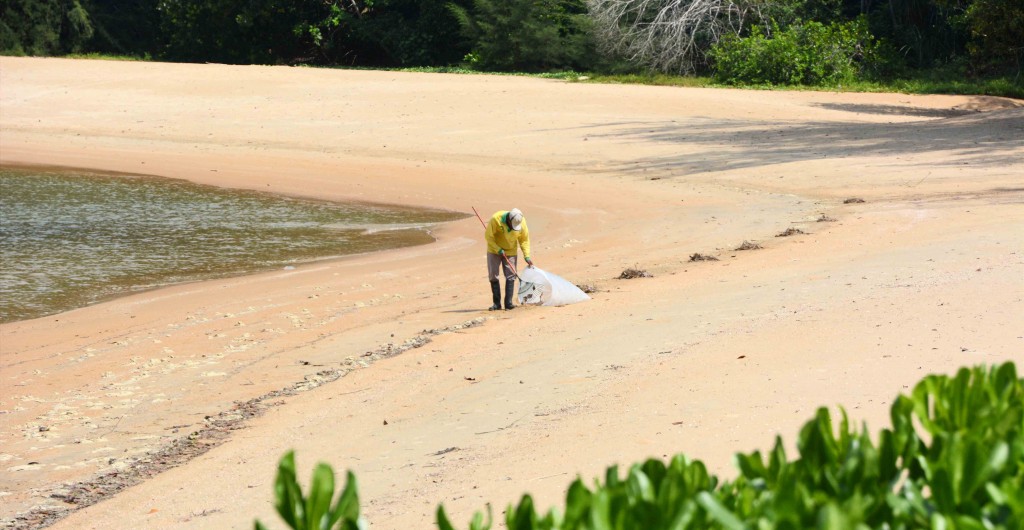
(106, 57)
(656, 79)
(563, 76)
(952, 84)
(923, 83)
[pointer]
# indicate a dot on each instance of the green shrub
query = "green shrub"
(953, 458)
(997, 35)
(526, 35)
(314, 512)
(809, 53)
(43, 27)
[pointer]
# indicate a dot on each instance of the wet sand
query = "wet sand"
(388, 364)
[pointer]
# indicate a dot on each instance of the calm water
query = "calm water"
(68, 240)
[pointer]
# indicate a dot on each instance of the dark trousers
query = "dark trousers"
(495, 264)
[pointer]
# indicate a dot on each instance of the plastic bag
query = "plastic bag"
(538, 287)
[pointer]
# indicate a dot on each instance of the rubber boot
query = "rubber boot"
(495, 295)
(509, 289)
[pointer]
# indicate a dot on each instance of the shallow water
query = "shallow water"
(71, 239)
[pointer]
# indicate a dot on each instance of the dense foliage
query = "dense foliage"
(809, 53)
(526, 35)
(349, 32)
(816, 42)
(43, 27)
(953, 458)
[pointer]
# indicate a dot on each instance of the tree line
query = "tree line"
(747, 41)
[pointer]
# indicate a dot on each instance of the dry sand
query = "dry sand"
(707, 358)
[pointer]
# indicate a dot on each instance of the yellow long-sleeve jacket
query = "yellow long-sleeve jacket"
(500, 236)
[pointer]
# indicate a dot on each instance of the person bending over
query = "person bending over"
(506, 232)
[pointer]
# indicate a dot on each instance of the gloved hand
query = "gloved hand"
(501, 252)
(529, 262)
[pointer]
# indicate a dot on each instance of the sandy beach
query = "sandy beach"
(170, 408)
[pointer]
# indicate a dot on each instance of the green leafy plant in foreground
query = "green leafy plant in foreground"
(314, 512)
(953, 459)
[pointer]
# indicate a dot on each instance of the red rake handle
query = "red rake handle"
(504, 257)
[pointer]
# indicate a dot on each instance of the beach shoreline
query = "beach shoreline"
(923, 276)
(264, 252)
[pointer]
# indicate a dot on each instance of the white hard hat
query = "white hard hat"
(515, 218)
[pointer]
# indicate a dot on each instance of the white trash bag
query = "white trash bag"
(539, 287)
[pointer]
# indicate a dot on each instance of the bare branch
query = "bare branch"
(666, 35)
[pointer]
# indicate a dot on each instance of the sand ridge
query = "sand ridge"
(708, 358)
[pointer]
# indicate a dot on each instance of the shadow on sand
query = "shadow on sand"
(986, 139)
